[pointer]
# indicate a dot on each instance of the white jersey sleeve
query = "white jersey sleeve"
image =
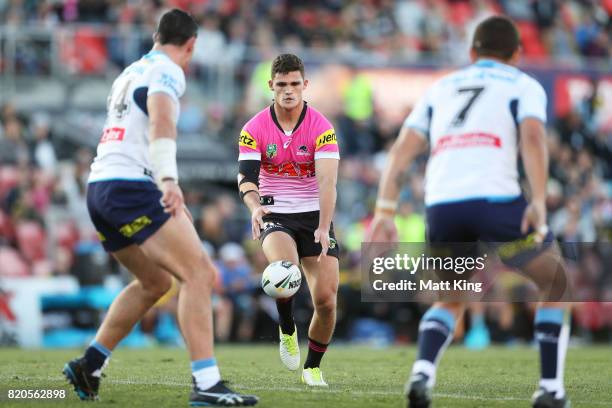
(123, 150)
(532, 101)
(420, 117)
(167, 78)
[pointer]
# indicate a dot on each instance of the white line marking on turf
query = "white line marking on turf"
(129, 381)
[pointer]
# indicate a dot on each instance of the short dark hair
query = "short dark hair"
(497, 36)
(176, 27)
(286, 63)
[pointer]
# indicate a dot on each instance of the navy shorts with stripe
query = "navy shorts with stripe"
(482, 220)
(125, 212)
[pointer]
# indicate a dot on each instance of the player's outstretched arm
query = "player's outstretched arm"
(327, 177)
(248, 187)
(408, 145)
(534, 152)
(162, 149)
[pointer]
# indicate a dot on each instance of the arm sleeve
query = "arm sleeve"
(248, 146)
(326, 145)
(250, 170)
(420, 117)
(167, 78)
(326, 142)
(532, 101)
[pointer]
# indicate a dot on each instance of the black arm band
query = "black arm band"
(250, 170)
(242, 194)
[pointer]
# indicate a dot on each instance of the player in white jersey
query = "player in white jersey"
(476, 121)
(137, 207)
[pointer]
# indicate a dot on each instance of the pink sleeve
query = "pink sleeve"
(248, 144)
(326, 142)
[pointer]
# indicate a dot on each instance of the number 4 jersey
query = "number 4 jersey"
(288, 157)
(471, 118)
(123, 152)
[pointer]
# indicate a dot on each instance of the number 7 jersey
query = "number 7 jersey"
(471, 118)
(123, 150)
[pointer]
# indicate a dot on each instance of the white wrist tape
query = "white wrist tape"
(162, 152)
(385, 204)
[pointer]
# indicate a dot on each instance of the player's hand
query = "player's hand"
(382, 229)
(321, 235)
(172, 197)
(257, 222)
(535, 217)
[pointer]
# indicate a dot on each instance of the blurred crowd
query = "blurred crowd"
(416, 29)
(45, 228)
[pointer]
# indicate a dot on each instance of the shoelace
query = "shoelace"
(289, 344)
(316, 374)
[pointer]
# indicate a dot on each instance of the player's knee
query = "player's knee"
(201, 272)
(157, 288)
(325, 303)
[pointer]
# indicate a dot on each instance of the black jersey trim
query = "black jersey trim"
(299, 122)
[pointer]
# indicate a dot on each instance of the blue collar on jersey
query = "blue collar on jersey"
(490, 63)
(154, 53)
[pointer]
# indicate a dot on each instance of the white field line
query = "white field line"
(128, 381)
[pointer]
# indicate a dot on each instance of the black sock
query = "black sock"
(552, 338)
(94, 358)
(315, 353)
(285, 315)
(435, 332)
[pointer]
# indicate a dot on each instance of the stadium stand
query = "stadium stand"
(55, 80)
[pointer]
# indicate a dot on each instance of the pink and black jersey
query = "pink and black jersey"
(288, 157)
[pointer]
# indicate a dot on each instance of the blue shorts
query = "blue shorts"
(125, 212)
(487, 221)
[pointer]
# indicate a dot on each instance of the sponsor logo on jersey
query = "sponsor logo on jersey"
(246, 140)
(112, 135)
(303, 151)
(467, 140)
(271, 151)
(128, 230)
(290, 169)
(101, 236)
(326, 138)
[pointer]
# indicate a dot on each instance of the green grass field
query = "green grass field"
(358, 377)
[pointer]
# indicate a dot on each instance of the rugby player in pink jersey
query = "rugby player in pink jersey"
(287, 178)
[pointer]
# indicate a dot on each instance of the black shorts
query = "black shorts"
(495, 222)
(301, 227)
(125, 212)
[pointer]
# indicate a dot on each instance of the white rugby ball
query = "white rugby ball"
(281, 279)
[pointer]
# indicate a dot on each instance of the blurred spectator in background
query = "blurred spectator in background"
(238, 287)
(44, 151)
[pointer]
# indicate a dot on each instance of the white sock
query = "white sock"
(207, 377)
(555, 386)
(427, 368)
